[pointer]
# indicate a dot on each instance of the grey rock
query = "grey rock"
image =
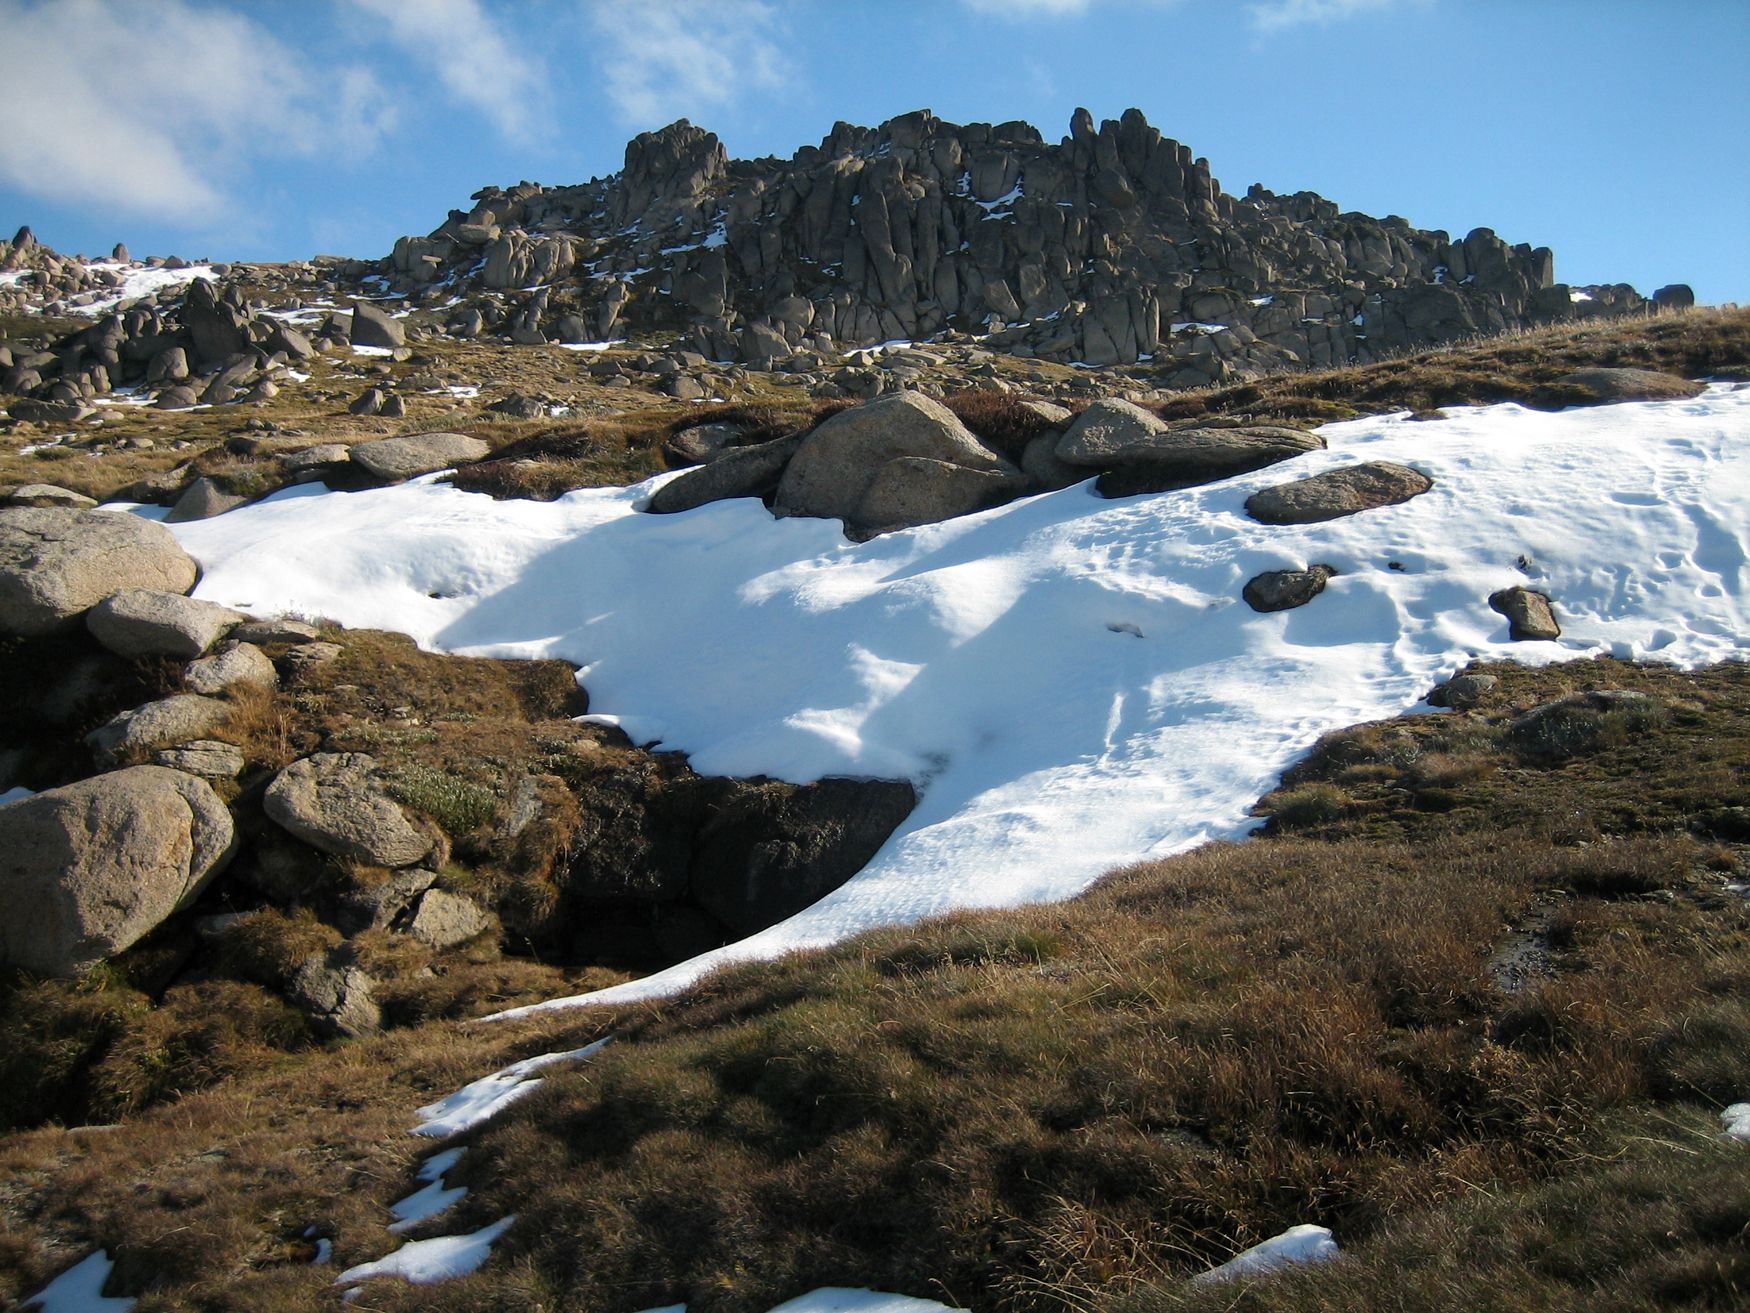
(1044, 469)
(739, 472)
(276, 631)
(90, 868)
(207, 758)
(1337, 493)
(1462, 692)
(235, 665)
(914, 490)
(395, 459)
(700, 444)
(1529, 616)
(51, 412)
(168, 366)
(370, 402)
(336, 802)
(445, 920)
(1103, 432)
(1283, 590)
(315, 458)
(337, 995)
(307, 657)
(57, 564)
(47, 494)
(180, 397)
(374, 327)
(140, 622)
(180, 718)
(373, 899)
(1182, 458)
(203, 499)
(837, 463)
(1606, 385)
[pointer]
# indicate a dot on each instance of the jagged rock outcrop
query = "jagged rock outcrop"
(1112, 245)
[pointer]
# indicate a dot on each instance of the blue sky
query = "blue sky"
(1610, 130)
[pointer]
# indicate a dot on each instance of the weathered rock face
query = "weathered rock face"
(88, 869)
(395, 459)
(1337, 493)
(1109, 245)
(336, 802)
(852, 466)
(57, 564)
(236, 665)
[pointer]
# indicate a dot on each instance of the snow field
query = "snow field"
(1072, 683)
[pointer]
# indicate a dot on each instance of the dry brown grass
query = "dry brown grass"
(1085, 1103)
(1521, 367)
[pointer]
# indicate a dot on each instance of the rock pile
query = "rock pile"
(198, 802)
(904, 460)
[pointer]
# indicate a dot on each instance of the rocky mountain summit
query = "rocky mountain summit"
(1114, 245)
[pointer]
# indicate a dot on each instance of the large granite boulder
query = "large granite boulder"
(395, 459)
(1103, 432)
(1337, 493)
(336, 801)
(374, 327)
(843, 469)
(90, 868)
(139, 622)
(57, 564)
(914, 490)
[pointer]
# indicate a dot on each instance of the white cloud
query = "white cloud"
(1275, 15)
(149, 104)
(684, 58)
(471, 57)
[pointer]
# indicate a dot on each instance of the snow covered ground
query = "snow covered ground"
(1072, 683)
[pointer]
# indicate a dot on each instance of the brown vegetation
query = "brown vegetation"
(1087, 1103)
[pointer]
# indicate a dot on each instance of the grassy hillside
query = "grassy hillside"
(1473, 999)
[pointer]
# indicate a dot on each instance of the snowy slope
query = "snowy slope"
(1073, 683)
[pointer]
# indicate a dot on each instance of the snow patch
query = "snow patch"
(432, 1198)
(422, 1262)
(479, 1101)
(80, 1289)
(17, 793)
(842, 1299)
(1736, 1120)
(1298, 1244)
